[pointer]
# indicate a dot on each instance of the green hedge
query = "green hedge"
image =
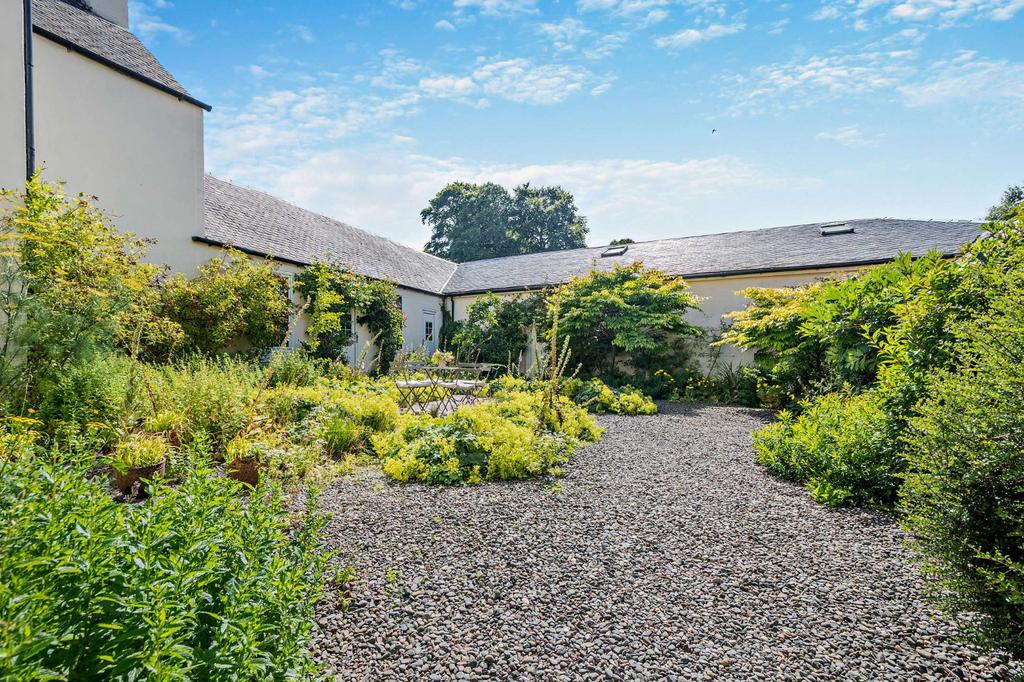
(196, 583)
(841, 447)
(964, 494)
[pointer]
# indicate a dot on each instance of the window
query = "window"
(614, 251)
(832, 229)
(428, 330)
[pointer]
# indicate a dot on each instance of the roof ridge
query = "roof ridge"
(726, 232)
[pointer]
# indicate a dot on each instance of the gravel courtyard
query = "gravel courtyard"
(664, 553)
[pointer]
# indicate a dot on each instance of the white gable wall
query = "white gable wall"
(12, 101)
(136, 148)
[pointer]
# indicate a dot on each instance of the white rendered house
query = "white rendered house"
(86, 100)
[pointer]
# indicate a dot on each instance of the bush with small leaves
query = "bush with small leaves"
(509, 438)
(964, 493)
(840, 446)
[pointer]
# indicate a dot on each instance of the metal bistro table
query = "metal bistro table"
(440, 390)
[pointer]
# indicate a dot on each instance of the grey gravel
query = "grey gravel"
(666, 554)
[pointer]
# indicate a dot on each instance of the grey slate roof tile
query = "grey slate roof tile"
(256, 221)
(106, 39)
(772, 249)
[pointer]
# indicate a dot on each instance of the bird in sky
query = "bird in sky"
(714, 130)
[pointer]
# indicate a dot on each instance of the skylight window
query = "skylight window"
(614, 251)
(831, 229)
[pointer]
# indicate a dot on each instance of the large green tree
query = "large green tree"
(473, 222)
(546, 219)
(1013, 199)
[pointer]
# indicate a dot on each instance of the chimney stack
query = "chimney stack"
(115, 11)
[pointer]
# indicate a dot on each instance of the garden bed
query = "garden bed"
(664, 553)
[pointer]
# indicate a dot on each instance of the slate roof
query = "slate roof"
(259, 223)
(70, 25)
(262, 224)
(795, 247)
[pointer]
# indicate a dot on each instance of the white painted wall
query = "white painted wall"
(414, 306)
(137, 149)
(718, 296)
(12, 95)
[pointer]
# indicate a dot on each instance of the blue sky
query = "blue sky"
(823, 110)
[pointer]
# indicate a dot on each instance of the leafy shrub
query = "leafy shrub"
(214, 395)
(506, 439)
(297, 368)
(964, 493)
(231, 299)
(629, 313)
(507, 384)
(598, 397)
(726, 386)
(19, 438)
(196, 583)
(95, 390)
(334, 292)
(816, 338)
(841, 447)
(341, 435)
(495, 329)
(71, 286)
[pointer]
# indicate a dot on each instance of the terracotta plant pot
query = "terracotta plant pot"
(126, 480)
(245, 470)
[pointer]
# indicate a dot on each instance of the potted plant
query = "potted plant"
(171, 425)
(137, 458)
(246, 460)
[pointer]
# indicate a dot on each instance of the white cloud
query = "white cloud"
(258, 71)
(606, 45)
(563, 34)
(944, 13)
(827, 12)
(799, 83)
(384, 189)
(519, 80)
(885, 75)
(444, 25)
(969, 79)
(146, 22)
(691, 36)
(848, 136)
(498, 7)
(300, 32)
(448, 87)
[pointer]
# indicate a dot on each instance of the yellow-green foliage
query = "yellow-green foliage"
(19, 437)
(840, 446)
(598, 397)
(231, 298)
(634, 402)
(515, 437)
(140, 450)
(213, 396)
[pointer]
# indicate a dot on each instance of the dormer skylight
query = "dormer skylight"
(832, 229)
(613, 251)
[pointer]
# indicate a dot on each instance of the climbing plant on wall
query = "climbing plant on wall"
(333, 292)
